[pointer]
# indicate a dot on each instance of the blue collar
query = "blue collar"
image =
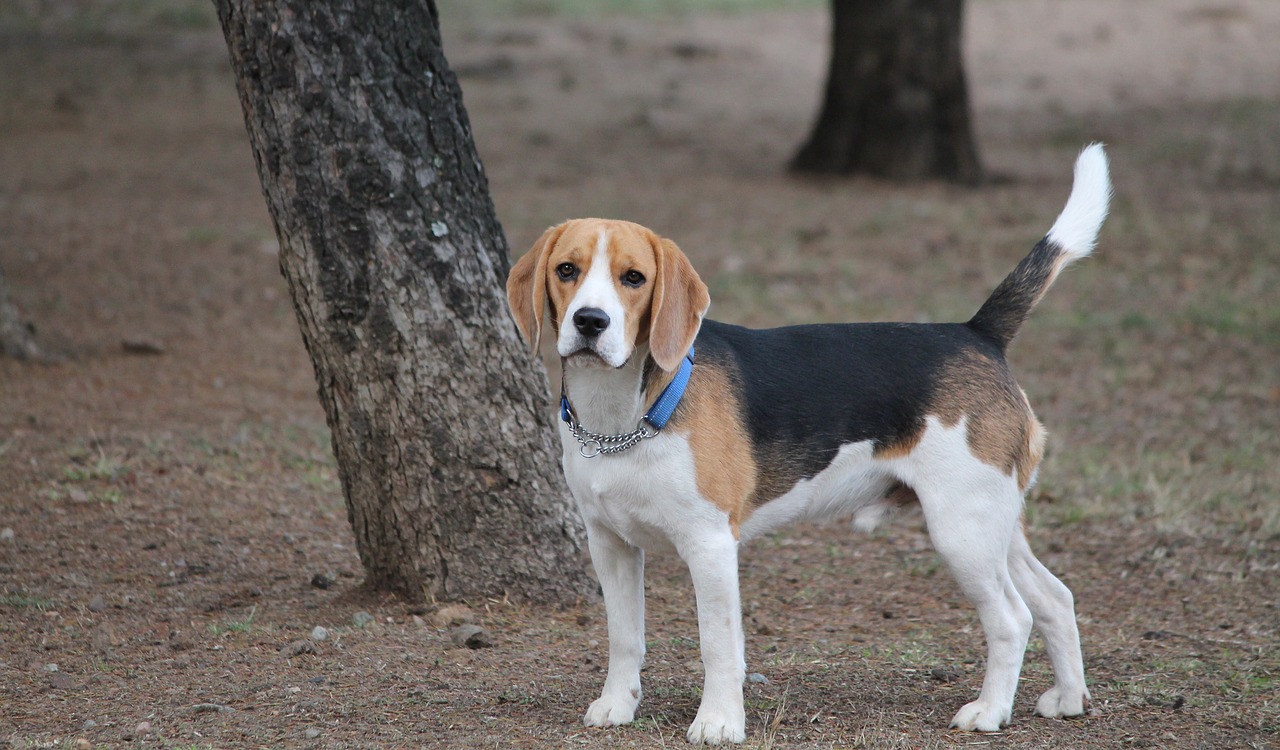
(653, 420)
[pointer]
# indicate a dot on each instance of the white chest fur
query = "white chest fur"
(647, 495)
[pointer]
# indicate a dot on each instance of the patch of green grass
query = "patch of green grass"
(1192, 482)
(243, 625)
(24, 601)
(102, 468)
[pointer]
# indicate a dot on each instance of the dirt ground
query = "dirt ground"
(171, 526)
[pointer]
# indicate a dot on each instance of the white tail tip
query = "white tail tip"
(1076, 230)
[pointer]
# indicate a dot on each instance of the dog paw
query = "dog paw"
(712, 727)
(611, 711)
(980, 716)
(1059, 703)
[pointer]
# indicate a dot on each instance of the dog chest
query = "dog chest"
(647, 495)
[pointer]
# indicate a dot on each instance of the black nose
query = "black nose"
(591, 321)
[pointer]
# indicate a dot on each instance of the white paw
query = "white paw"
(611, 711)
(713, 727)
(981, 717)
(1057, 703)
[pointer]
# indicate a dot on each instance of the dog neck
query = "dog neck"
(611, 400)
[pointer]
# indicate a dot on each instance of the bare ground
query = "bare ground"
(171, 495)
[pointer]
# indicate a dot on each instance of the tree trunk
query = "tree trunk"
(17, 338)
(396, 264)
(896, 102)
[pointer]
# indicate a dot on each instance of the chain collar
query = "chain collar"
(592, 444)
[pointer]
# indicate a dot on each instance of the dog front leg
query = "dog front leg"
(713, 566)
(620, 568)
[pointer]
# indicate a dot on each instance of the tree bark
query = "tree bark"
(17, 338)
(396, 264)
(896, 103)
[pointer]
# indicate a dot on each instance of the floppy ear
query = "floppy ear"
(527, 286)
(680, 299)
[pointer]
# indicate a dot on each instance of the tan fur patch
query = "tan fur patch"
(898, 448)
(1001, 430)
(1027, 464)
(629, 248)
(726, 470)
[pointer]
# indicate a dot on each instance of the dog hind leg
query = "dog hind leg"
(1053, 613)
(971, 531)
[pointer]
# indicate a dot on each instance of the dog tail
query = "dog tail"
(1072, 237)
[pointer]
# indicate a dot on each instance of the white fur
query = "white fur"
(1076, 230)
(597, 290)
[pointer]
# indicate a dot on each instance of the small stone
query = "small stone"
(312, 733)
(322, 581)
(97, 604)
(319, 633)
(470, 636)
(361, 618)
(51, 667)
(90, 723)
(940, 674)
(83, 744)
(757, 679)
(144, 727)
(453, 615)
(211, 708)
(77, 495)
(299, 647)
(694, 665)
(7, 536)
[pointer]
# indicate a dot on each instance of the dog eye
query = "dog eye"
(567, 271)
(633, 278)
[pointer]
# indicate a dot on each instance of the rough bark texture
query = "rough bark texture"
(17, 338)
(896, 102)
(396, 264)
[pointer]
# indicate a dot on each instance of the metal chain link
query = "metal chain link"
(592, 444)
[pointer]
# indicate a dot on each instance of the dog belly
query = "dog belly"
(853, 485)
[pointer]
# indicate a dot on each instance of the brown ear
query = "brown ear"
(527, 286)
(680, 299)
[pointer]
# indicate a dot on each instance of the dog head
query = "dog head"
(608, 287)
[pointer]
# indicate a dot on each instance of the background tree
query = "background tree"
(396, 264)
(16, 336)
(896, 103)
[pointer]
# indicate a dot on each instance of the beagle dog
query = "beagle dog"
(689, 434)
